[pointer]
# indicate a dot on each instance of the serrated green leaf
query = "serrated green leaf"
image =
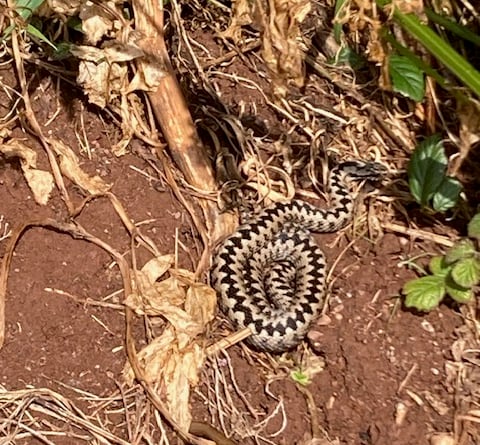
(407, 79)
(474, 227)
(462, 249)
(447, 194)
(426, 169)
(458, 293)
(465, 272)
(424, 293)
(414, 58)
(439, 267)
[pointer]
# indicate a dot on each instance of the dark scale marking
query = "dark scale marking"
(300, 316)
(307, 308)
(281, 328)
(312, 299)
(345, 201)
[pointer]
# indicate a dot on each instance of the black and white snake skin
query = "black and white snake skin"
(270, 274)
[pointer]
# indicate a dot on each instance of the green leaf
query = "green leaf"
(347, 56)
(462, 249)
(439, 267)
(62, 51)
(75, 23)
(300, 377)
(440, 49)
(447, 194)
(407, 79)
(466, 272)
(458, 293)
(426, 169)
(474, 227)
(25, 9)
(414, 59)
(424, 293)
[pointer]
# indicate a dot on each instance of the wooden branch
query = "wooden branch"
(171, 111)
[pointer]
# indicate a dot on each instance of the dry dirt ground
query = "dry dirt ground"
(384, 376)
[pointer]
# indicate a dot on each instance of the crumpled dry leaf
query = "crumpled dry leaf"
(174, 358)
(129, 123)
(469, 134)
(188, 306)
(60, 7)
(176, 371)
(147, 77)
(70, 167)
(241, 16)
(97, 22)
(279, 22)
(41, 182)
(281, 49)
(157, 267)
(103, 73)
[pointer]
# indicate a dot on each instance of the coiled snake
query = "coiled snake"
(270, 274)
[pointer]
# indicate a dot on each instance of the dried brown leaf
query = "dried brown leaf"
(281, 35)
(241, 16)
(103, 73)
(96, 21)
(174, 369)
(61, 7)
(41, 182)
(157, 267)
(173, 359)
(70, 167)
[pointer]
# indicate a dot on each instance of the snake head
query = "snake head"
(359, 170)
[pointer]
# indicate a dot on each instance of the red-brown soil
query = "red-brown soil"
(379, 358)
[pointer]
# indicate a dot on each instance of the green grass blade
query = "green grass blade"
(37, 34)
(441, 50)
(25, 8)
(337, 27)
(461, 31)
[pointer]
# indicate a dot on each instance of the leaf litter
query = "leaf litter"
(179, 305)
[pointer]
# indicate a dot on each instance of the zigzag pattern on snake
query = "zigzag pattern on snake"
(270, 274)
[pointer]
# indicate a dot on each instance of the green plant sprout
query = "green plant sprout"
(454, 274)
(300, 377)
(24, 10)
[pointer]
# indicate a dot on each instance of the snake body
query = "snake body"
(270, 274)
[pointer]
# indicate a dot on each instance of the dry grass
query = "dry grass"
(333, 119)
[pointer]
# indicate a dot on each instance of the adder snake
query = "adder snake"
(271, 275)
